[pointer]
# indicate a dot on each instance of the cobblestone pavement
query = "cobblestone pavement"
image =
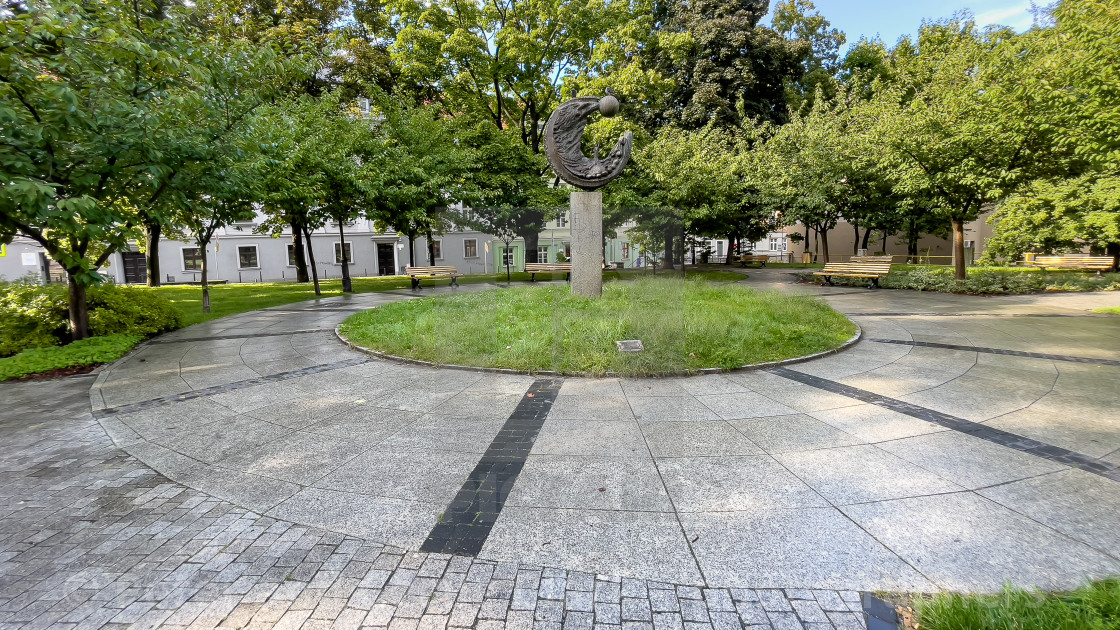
(90, 537)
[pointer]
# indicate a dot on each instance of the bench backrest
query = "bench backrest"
(547, 266)
(879, 268)
(871, 259)
(755, 257)
(436, 269)
(1074, 260)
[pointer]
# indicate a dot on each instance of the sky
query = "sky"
(891, 20)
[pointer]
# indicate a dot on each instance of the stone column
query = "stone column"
(587, 243)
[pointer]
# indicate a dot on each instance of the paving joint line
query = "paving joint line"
(471, 515)
(1013, 353)
(968, 427)
(302, 331)
(164, 401)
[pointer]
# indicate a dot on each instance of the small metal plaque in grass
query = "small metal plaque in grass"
(630, 345)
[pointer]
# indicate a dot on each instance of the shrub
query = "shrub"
(92, 351)
(114, 309)
(33, 316)
(985, 280)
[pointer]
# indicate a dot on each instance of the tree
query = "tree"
(83, 119)
(799, 20)
(971, 132)
(1074, 79)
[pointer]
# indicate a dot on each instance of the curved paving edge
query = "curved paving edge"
(550, 373)
(1003, 501)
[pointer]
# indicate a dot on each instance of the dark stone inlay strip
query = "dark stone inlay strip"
(163, 401)
(878, 614)
(975, 429)
(304, 331)
(1013, 353)
(467, 522)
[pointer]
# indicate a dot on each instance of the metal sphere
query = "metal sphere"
(608, 106)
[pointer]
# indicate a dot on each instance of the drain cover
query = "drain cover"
(630, 345)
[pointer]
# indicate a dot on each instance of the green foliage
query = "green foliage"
(684, 325)
(1095, 606)
(985, 280)
(33, 316)
(91, 351)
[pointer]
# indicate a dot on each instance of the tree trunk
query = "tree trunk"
(532, 241)
(867, 237)
(958, 249)
(301, 257)
(411, 249)
(431, 248)
(79, 309)
(822, 240)
(1113, 249)
(152, 232)
(730, 248)
(347, 286)
(205, 279)
(668, 249)
(855, 245)
(683, 245)
(311, 257)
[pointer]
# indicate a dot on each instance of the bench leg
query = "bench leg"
(532, 276)
(827, 280)
(874, 284)
(569, 278)
(455, 282)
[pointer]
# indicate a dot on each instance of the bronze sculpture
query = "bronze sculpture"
(563, 136)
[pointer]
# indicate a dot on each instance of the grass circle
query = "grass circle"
(684, 325)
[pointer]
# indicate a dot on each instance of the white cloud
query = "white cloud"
(1017, 17)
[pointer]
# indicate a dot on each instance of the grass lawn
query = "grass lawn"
(1114, 310)
(231, 299)
(1095, 606)
(683, 325)
(87, 352)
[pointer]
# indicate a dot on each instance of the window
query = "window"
(247, 257)
(291, 255)
(562, 220)
(470, 248)
(774, 244)
(568, 251)
(625, 251)
(509, 258)
(542, 254)
(437, 249)
(338, 253)
(192, 259)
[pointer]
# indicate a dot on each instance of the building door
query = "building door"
(135, 271)
(385, 259)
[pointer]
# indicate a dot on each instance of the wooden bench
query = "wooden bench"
(746, 259)
(871, 259)
(534, 268)
(870, 270)
(1071, 261)
(416, 273)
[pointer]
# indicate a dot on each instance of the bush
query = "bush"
(92, 351)
(33, 316)
(114, 309)
(986, 280)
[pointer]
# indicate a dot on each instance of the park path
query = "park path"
(964, 442)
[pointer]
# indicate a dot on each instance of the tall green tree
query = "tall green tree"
(90, 95)
(799, 20)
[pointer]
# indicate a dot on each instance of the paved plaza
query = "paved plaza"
(253, 470)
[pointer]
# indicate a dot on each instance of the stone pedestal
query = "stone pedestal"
(587, 243)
